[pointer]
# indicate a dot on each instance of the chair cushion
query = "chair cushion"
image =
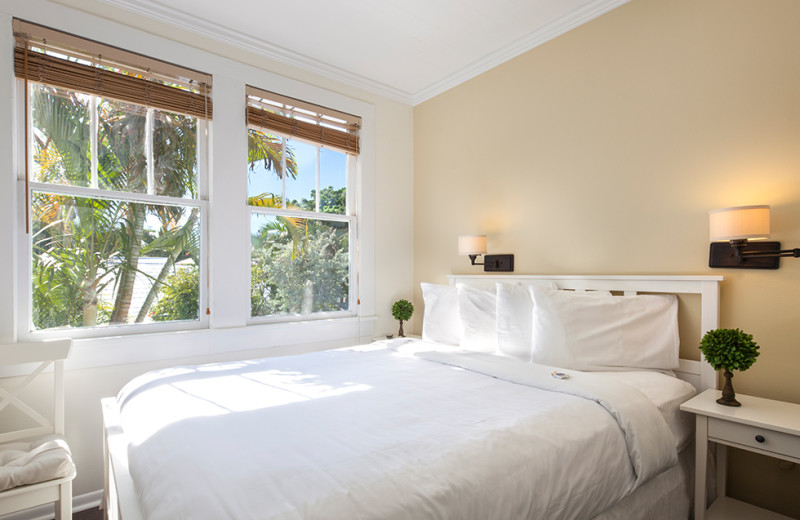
(31, 461)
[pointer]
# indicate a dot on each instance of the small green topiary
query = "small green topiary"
(402, 310)
(729, 349)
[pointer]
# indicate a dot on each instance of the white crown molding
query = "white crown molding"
(159, 12)
(170, 16)
(543, 34)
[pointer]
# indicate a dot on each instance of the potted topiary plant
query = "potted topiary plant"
(729, 349)
(402, 310)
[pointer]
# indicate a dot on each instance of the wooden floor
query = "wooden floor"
(90, 514)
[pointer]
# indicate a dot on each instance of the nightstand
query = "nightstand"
(759, 425)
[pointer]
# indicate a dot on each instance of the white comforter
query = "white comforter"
(375, 433)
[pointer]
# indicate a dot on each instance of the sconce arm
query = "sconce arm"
(472, 259)
(782, 253)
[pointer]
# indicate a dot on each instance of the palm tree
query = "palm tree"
(177, 241)
(74, 247)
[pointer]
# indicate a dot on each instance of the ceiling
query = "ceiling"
(407, 50)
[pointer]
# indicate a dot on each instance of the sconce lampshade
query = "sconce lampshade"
(739, 223)
(472, 244)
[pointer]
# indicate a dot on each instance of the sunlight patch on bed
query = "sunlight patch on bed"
(223, 394)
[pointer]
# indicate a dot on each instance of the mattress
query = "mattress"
(376, 432)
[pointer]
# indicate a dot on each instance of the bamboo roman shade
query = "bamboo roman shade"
(62, 60)
(294, 118)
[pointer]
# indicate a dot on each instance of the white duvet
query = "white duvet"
(377, 433)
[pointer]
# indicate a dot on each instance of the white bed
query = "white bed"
(408, 430)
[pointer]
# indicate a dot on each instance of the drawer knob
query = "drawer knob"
(760, 438)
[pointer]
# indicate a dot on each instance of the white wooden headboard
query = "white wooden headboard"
(699, 373)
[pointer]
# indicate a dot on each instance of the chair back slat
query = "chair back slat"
(12, 398)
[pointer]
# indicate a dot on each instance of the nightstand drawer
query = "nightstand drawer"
(772, 441)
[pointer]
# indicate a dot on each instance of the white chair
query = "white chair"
(36, 466)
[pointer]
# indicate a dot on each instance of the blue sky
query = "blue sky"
(332, 172)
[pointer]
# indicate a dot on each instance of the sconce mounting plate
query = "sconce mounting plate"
(499, 263)
(722, 254)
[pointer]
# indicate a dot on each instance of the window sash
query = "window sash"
(25, 258)
(122, 196)
(148, 146)
(352, 265)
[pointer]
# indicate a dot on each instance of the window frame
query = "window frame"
(350, 216)
(24, 244)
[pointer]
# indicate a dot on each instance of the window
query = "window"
(301, 198)
(115, 179)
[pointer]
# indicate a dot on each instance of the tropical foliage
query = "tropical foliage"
(299, 277)
(179, 297)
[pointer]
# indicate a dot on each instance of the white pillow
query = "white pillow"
(586, 331)
(514, 314)
(514, 319)
(440, 321)
(477, 311)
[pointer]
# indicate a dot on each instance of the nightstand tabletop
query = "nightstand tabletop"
(755, 411)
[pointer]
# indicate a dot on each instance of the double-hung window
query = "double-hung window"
(301, 199)
(114, 171)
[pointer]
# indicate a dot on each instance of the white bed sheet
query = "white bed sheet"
(374, 433)
(667, 393)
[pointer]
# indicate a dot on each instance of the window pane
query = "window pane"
(60, 136)
(301, 188)
(122, 164)
(264, 184)
(99, 262)
(175, 154)
(332, 181)
(298, 266)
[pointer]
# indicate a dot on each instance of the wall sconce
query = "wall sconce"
(738, 226)
(475, 245)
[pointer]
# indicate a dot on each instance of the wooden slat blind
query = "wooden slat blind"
(319, 125)
(63, 72)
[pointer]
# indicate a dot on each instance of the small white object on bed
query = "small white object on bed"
(409, 429)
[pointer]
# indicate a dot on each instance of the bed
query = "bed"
(426, 428)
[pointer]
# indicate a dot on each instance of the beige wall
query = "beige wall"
(602, 152)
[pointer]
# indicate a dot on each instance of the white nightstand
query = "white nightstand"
(760, 425)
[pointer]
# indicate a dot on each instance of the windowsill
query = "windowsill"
(255, 339)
